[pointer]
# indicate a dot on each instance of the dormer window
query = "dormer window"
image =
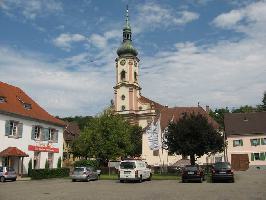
(2, 99)
(27, 106)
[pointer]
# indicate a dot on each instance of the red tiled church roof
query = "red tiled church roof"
(157, 106)
(175, 113)
(13, 152)
(15, 99)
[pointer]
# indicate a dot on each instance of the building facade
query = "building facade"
(27, 132)
(246, 139)
(140, 110)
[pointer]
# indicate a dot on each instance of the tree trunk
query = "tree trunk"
(192, 159)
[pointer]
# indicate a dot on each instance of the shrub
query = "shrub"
(87, 163)
(59, 162)
(30, 167)
(49, 173)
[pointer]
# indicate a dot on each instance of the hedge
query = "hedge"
(49, 173)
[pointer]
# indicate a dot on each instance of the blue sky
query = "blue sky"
(62, 53)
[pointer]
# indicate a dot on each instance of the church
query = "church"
(140, 110)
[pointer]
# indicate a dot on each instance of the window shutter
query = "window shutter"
(262, 156)
(252, 156)
(241, 142)
(56, 136)
(234, 143)
(7, 128)
(20, 130)
(32, 132)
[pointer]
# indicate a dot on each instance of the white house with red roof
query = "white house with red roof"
(139, 110)
(27, 132)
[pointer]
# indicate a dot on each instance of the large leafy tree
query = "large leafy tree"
(108, 137)
(193, 136)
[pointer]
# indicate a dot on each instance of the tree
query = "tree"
(264, 102)
(244, 109)
(108, 137)
(218, 116)
(193, 136)
(59, 162)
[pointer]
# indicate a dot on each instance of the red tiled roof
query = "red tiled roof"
(15, 98)
(175, 113)
(157, 106)
(13, 152)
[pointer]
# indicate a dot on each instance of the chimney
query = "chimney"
(166, 106)
(207, 109)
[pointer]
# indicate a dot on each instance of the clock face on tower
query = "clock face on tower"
(123, 62)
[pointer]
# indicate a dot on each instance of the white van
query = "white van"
(133, 170)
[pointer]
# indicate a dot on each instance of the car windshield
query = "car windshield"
(127, 165)
(222, 165)
(191, 168)
(10, 169)
(79, 170)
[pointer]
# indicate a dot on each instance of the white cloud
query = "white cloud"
(30, 9)
(152, 15)
(59, 91)
(65, 40)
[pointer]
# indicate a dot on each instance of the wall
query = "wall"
(22, 143)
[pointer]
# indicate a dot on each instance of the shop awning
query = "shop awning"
(13, 152)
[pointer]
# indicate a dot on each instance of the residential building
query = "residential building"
(137, 109)
(246, 139)
(71, 132)
(27, 132)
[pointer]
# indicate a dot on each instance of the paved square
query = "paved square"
(249, 185)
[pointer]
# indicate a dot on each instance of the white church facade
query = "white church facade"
(139, 110)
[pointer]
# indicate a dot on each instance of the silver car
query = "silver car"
(7, 173)
(84, 174)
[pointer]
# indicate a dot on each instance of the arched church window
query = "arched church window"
(135, 76)
(123, 97)
(123, 75)
(123, 108)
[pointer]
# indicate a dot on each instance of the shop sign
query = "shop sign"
(44, 148)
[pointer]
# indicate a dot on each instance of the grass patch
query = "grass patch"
(109, 177)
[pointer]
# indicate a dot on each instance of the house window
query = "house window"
(37, 132)
(27, 106)
(258, 156)
(123, 97)
(123, 108)
(237, 143)
(51, 134)
(13, 128)
(123, 75)
(263, 141)
(2, 99)
(255, 142)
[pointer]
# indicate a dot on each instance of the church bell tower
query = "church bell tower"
(127, 89)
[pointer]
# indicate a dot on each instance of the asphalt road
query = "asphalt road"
(249, 185)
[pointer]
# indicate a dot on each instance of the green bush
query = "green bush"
(30, 167)
(87, 163)
(49, 173)
(59, 162)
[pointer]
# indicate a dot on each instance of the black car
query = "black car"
(222, 171)
(192, 173)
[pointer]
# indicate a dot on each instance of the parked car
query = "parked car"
(134, 170)
(222, 171)
(7, 173)
(84, 174)
(192, 173)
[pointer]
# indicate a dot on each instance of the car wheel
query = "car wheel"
(140, 179)
(121, 181)
(14, 179)
(149, 179)
(2, 179)
(88, 179)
